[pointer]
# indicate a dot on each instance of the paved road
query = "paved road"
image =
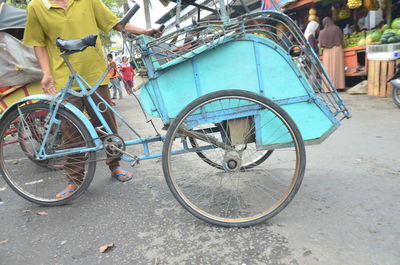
(346, 212)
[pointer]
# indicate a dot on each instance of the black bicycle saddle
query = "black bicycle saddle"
(76, 45)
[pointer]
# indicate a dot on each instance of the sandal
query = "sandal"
(125, 173)
(63, 192)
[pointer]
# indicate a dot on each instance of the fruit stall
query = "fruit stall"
(371, 35)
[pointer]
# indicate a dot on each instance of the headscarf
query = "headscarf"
(311, 29)
(331, 35)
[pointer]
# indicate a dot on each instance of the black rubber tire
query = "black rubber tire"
(295, 133)
(213, 164)
(5, 123)
(396, 96)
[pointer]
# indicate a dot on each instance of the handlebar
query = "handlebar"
(129, 15)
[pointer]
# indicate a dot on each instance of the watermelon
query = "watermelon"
(396, 23)
(376, 35)
(393, 39)
(390, 31)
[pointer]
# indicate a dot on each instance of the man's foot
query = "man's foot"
(121, 175)
(113, 103)
(68, 191)
(113, 98)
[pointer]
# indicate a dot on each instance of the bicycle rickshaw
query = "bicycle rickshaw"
(239, 107)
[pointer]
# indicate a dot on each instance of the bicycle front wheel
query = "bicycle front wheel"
(21, 134)
(236, 195)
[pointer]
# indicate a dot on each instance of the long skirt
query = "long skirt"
(332, 59)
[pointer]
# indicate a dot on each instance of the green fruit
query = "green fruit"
(396, 23)
(393, 39)
(388, 35)
(376, 35)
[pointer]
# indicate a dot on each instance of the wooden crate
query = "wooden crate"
(379, 72)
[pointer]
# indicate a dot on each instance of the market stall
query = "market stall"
(370, 28)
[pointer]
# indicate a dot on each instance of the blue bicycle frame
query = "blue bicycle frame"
(86, 90)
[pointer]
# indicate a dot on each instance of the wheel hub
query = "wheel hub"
(232, 161)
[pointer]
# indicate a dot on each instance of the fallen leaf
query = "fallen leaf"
(3, 241)
(104, 248)
(15, 162)
(26, 211)
(42, 213)
(3, 188)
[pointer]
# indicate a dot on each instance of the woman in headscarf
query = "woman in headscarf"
(310, 33)
(330, 40)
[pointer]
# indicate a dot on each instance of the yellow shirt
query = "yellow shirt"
(46, 21)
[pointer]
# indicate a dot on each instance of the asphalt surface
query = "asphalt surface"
(346, 212)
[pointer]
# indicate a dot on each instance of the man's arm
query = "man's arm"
(136, 30)
(47, 80)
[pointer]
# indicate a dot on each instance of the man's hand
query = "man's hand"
(47, 79)
(156, 33)
(48, 85)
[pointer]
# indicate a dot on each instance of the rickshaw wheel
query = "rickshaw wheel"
(38, 181)
(233, 197)
(249, 165)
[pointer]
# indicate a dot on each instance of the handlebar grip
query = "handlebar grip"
(129, 15)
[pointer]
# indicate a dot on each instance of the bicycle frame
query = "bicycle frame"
(86, 90)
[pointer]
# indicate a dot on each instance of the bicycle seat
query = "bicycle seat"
(76, 45)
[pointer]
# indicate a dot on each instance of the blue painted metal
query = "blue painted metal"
(144, 140)
(196, 77)
(177, 152)
(260, 74)
(265, 68)
(68, 106)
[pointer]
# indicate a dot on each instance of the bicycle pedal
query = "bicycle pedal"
(136, 161)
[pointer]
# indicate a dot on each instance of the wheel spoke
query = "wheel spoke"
(40, 180)
(242, 184)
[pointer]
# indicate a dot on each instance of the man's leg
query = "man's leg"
(74, 166)
(112, 162)
(119, 88)
(112, 80)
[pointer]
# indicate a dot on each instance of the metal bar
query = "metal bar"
(222, 8)
(145, 140)
(244, 6)
(99, 115)
(178, 13)
(60, 153)
(198, 6)
(257, 54)
(196, 77)
(146, 149)
(178, 152)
